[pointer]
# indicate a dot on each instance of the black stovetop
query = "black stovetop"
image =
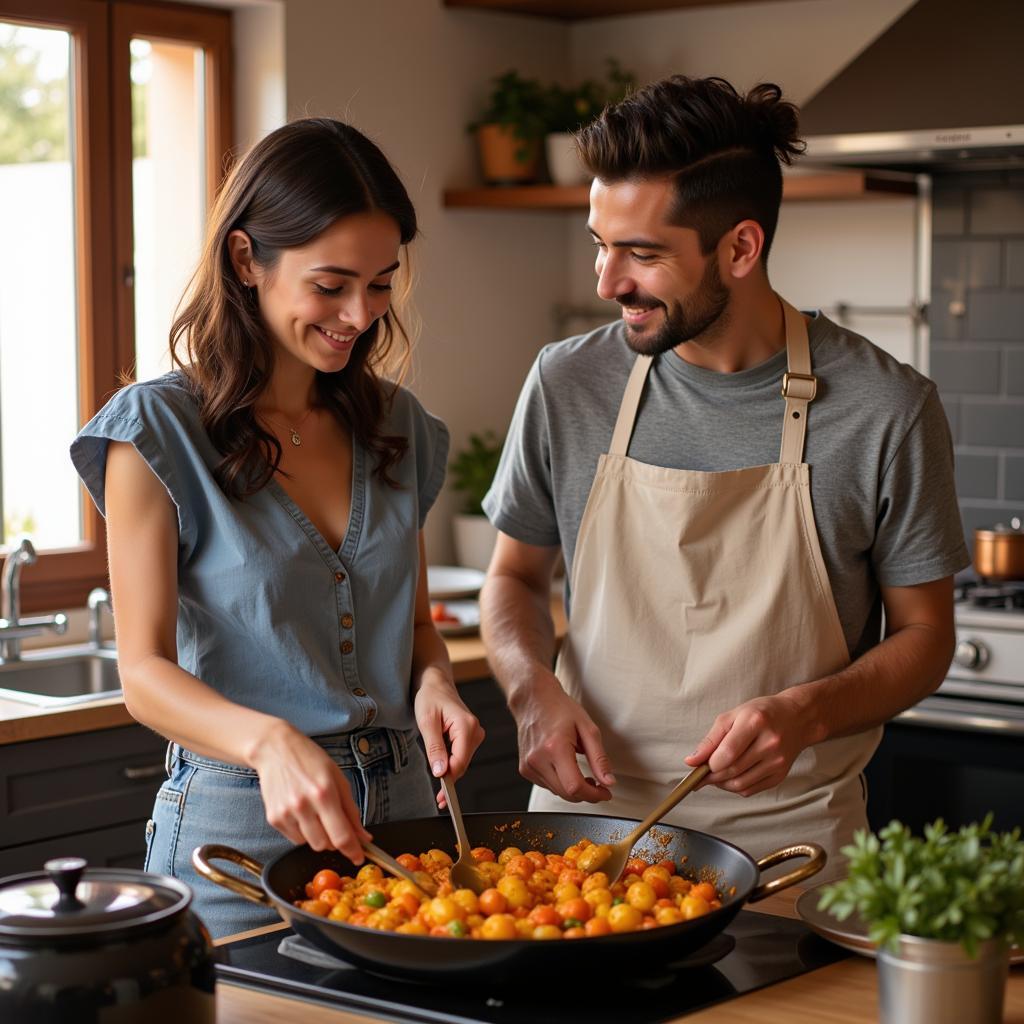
(755, 950)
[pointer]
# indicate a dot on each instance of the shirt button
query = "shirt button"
(346, 621)
(339, 577)
(359, 693)
(363, 745)
(346, 647)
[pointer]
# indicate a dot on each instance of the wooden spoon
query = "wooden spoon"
(387, 863)
(464, 872)
(618, 853)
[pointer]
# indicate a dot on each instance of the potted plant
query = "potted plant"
(943, 911)
(473, 470)
(510, 130)
(569, 109)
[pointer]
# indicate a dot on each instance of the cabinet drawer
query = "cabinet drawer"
(121, 846)
(75, 784)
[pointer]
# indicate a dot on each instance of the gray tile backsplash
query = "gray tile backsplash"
(977, 329)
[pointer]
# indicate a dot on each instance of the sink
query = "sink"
(60, 677)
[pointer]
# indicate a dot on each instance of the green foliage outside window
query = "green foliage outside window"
(33, 111)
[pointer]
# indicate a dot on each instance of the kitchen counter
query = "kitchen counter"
(19, 722)
(843, 993)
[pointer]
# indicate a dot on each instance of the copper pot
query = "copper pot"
(999, 552)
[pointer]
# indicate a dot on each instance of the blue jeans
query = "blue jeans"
(207, 801)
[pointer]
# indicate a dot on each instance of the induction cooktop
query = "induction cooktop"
(756, 950)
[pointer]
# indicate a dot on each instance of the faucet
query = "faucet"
(13, 628)
(97, 600)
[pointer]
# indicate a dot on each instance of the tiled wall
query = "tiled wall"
(977, 350)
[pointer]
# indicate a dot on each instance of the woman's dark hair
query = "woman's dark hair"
(290, 187)
(721, 149)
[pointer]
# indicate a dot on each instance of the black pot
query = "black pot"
(82, 946)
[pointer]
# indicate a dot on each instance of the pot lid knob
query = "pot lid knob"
(65, 873)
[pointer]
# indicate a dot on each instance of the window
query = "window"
(114, 125)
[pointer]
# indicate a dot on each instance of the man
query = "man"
(725, 599)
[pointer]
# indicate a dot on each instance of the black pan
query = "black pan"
(434, 959)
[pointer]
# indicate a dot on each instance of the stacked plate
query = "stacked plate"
(451, 589)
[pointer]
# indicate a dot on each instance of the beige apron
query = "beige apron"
(693, 592)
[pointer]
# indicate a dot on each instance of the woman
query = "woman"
(264, 506)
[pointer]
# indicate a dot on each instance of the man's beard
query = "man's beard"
(683, 322)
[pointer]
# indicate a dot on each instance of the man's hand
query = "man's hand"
(752, 747)
(553, 729)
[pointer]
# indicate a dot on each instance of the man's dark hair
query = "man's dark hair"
(721, 149)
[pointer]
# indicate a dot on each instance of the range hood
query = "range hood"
(942, 89)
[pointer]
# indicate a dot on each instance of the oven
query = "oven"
(960, 752)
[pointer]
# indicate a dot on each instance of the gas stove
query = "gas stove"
(754, 951)
(959, 753)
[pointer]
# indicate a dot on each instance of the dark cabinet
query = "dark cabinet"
(493, 782)
(86, 795)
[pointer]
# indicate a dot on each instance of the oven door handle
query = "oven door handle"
(962, 720)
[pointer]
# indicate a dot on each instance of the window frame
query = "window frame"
(101, 141)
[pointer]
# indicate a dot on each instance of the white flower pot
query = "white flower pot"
(475, 538)
(563, 164)
(932, 982)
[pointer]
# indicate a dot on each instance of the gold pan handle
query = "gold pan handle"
(203, 855)
(812, 867)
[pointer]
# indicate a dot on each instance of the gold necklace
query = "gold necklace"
(296, 438)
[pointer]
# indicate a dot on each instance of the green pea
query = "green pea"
(375, 899)
(617, 901)
(572, 922)
(457, 928)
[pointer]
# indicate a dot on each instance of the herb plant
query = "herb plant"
(965, 886)
(473, 470)
(569, 109)
(519, 104)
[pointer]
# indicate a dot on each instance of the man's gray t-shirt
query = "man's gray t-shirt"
(878, 446)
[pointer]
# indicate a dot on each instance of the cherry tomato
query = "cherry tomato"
(492, 902)
(483, 853)
(545, 914)
(499, 926)
(409, 862)
(325, 879)
(578, 909)
(705, 890)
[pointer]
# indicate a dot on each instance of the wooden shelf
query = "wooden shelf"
(576, 10)
(826, 185)
(520, 197)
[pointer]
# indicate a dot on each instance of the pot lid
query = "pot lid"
(69, 900)
(1013, 527)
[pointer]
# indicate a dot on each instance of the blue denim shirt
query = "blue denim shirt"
(268, 614)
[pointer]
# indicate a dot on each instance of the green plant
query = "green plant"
(965, 886)
(518, 103)
(569, 109)
(473, 470)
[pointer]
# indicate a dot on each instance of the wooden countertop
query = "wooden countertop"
(19, 722)
(842, 993)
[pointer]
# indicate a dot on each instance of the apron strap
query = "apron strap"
(799, 385)
(630, 404)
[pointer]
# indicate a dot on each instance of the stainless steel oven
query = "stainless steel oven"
(960, 752)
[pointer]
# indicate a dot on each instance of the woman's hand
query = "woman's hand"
(439, 712)
(305, 794)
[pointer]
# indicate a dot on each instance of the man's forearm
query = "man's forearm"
(905, 667)
(516, 625)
